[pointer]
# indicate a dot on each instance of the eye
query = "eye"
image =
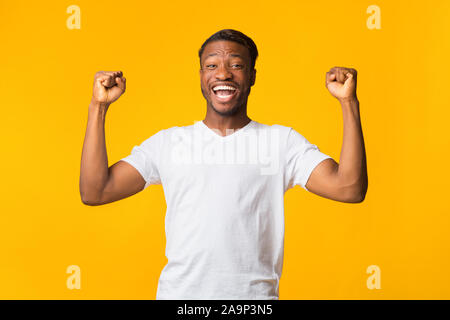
(238, 65)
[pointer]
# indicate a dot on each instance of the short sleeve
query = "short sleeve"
(301, 159)
(145, 159)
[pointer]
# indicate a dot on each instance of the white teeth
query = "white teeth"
(224, 95)
(223, 88)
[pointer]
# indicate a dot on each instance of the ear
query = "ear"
(253, 77)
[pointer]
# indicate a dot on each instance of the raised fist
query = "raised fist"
(108, 86)
(341, 82)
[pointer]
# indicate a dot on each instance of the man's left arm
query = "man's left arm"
(346, 181)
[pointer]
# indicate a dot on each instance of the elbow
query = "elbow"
(363, 190)
(89, 201)
(358, 198)
(355, 194)
(359, 195)
(352, 188)
(353, 198)
(89, 197)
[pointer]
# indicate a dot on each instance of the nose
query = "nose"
(223, 73)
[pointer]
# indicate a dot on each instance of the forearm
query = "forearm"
(352, 169)
(94, 159)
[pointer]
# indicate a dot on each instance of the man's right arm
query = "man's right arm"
(98, 183)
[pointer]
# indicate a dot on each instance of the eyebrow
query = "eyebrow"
(232, 54)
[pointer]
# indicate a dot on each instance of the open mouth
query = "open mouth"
(224, 93)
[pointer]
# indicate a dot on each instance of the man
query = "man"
(224, 178)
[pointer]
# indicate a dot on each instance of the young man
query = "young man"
(224, 178)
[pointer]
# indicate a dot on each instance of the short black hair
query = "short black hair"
(236, 36)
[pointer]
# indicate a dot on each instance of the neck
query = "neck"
(217, 121)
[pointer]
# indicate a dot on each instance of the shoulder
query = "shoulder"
(282, 131)
(164, 136)
(277, 127)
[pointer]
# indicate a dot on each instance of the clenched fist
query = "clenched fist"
(108, 86)
(341, 82)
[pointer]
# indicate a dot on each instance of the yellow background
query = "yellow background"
(46, 81)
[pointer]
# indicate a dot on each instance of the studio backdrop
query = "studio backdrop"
(393, 245)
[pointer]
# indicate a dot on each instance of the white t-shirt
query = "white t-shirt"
(224, 222)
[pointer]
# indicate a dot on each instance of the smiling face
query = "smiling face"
(226, 76)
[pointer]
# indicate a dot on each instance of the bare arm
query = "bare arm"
(346, 181)
(98, 183)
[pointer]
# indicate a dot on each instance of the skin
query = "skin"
(344, 182)
(219, 66)
(98, 183)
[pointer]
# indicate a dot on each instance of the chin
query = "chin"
(225, 110)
